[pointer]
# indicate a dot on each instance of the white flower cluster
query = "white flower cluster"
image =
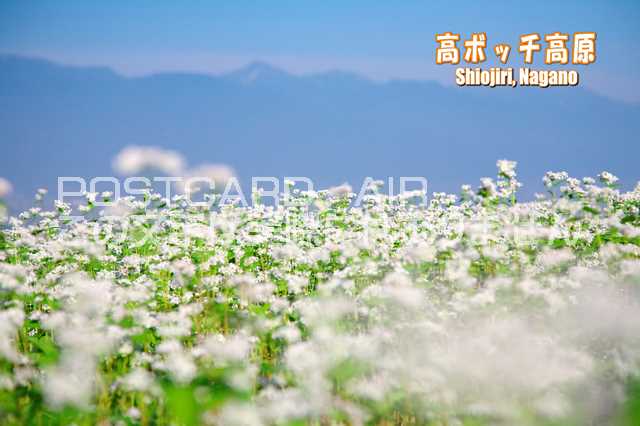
(470, 310)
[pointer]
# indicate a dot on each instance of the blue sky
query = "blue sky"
(379, 39)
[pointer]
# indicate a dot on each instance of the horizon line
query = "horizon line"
(186, 71)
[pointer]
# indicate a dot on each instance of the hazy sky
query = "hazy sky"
(379, 39)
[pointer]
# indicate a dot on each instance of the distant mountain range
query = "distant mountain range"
(58, 120)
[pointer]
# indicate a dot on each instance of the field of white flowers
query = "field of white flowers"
(474, 309)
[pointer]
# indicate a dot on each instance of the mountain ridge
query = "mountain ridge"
(333, 126)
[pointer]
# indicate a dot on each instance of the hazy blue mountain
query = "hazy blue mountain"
(333, 127)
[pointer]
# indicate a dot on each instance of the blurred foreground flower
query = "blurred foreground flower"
(5, 187)
(135, 159)
(206, 177)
